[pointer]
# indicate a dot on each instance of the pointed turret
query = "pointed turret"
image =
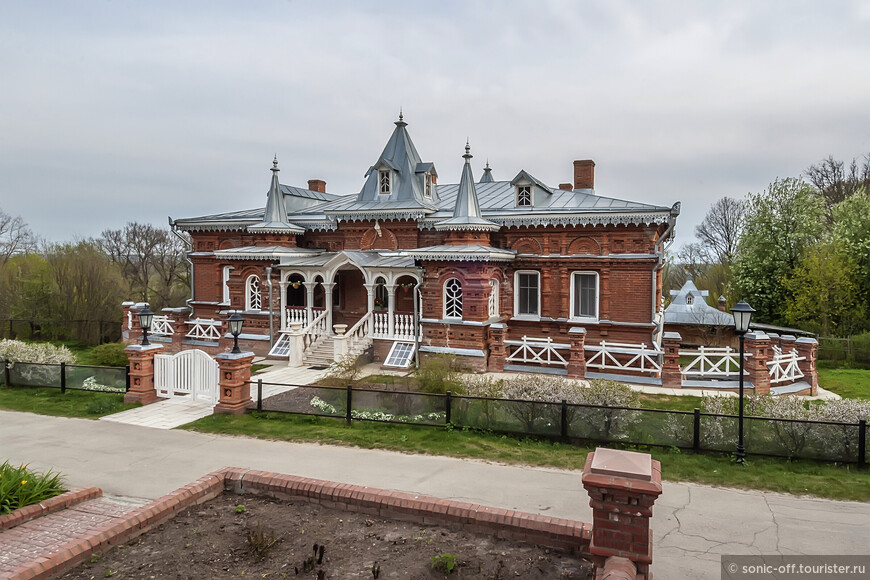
(487, 174)
(466, 212)
(275, 215)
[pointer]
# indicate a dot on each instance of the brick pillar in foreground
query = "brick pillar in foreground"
(759, 353)
(141, 373)
(622, 487)
(671, 376)
(497, 352)
(235, 392)
(577, 354)
(808, 348)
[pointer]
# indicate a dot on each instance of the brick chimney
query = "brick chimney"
(566, 187)
(317, 185)
(584, 174)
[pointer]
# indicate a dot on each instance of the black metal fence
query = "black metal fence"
(88, 331)
(66, 377)
(854, 350)
(821, 440)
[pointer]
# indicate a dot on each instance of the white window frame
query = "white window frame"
(389, 182)
(226, 287)
(427, 187)
(517, 314)
(520, 187)
(452, 316)
(574, 316)
(493, 302)
(253, 294)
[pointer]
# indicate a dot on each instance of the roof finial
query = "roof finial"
(487, 163)
(401, 116)
(275, 163)
(468, 154)
(401, 122)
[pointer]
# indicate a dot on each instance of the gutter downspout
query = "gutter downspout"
(659, 265)
(174, 229)
(417, 299)
(271, 312)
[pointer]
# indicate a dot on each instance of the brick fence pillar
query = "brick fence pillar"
(178, 320)
(235, 391)
(577, 354)
(141, 373)
(622, 487)
(497, 351)
(760, 352)
(808, 348)
(672, 378)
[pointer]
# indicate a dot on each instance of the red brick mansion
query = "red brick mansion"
(409, 265)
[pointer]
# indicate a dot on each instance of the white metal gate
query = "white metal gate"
(189, 373)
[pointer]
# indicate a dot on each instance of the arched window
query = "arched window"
(493, 298)
(453, 298)
(381, 296)
(253, 298)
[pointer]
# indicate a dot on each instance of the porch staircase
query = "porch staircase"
(323, 353)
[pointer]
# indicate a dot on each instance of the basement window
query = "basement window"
(400, 355)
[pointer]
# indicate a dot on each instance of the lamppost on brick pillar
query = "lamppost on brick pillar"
(622, 487)
(742, 315)
(141, 357)
(577, 354)
(235, 373)
(672, 377)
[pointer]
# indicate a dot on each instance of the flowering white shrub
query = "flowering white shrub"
(91, 384)
(325, 407)
(38, 352)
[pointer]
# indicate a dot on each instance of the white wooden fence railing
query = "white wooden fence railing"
(314, 332)
(160, 326)
(625, 357)
(541, 351)
(403, 326)
(295, 314)
(713, 362)
(784, 366)
(204, 329)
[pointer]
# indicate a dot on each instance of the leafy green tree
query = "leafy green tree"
(781, 224)
(825, 292)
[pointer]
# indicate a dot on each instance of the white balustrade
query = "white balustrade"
(625, 357)
(403, 326)
(295, 314)
(161, 326)
(204, 329)
(538, 351)
(784, 366)
(715, 362)
(314, 332)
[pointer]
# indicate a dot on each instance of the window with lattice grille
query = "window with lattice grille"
(400, 355)
(524, 196)
(253, 297)
(493, 298)
(453, 298)
(281, 347)
(427, 192)
(384, 185)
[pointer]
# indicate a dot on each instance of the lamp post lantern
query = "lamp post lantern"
(235, 322)
(742, 315)
(145, 317)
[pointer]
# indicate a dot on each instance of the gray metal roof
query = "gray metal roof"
(471, 252)
(466, 210)
(487, 174)
(264, 252)
(690, 307)
(363, 259)
(275, 214)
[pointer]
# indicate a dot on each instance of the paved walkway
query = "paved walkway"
(692, 524)
(43, 536)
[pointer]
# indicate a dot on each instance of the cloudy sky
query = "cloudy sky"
(119, 111)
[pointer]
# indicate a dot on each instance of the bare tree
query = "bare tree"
(15, 237)
(720, 231)
(835, 182)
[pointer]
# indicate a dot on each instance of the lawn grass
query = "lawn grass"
(848, 383)
(795, 477)
(44, 401)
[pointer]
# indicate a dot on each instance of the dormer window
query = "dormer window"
(524, 196)
(384, 184)
(690, 299)
(427, 189)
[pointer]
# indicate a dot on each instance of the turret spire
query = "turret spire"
(466, 212)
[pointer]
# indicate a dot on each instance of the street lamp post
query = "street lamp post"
(235, 322)
(145, 317)
(742, 315)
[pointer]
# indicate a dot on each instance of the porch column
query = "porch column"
(370, 293)
(327, 291)
(282, 285)
(309, 300)
(391, 307)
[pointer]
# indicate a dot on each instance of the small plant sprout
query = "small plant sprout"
(240, 509)
(444, 563)
(260, 540)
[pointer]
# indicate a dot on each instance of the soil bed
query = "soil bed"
(211, 541)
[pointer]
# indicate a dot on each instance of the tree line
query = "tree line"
(798, 252)
(64, 290)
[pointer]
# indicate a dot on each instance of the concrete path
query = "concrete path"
(165, 414)
(692, 524)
